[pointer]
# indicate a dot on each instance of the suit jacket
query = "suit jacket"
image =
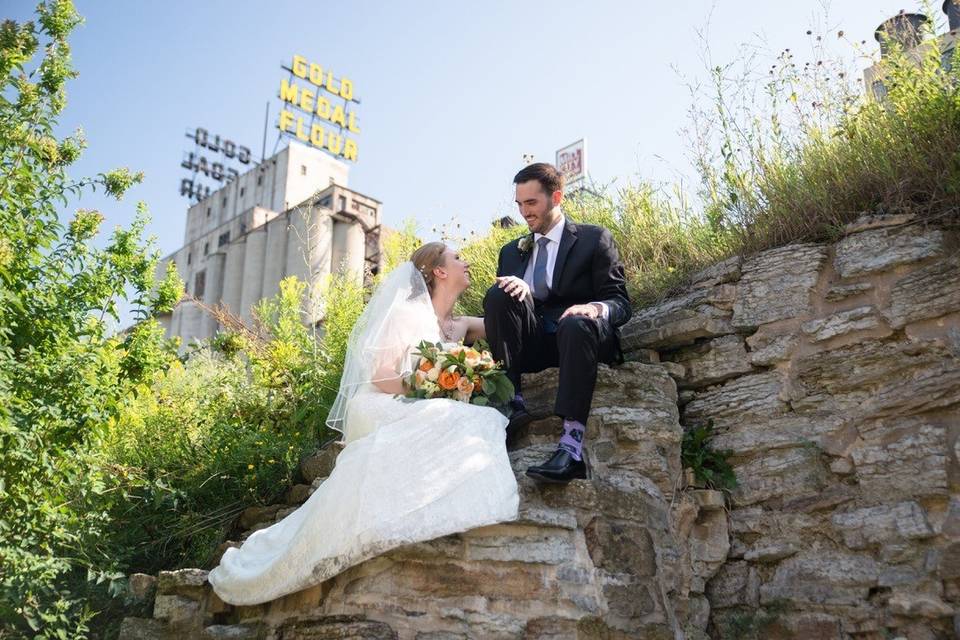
(587, 269)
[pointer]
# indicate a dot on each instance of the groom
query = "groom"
(559, 297)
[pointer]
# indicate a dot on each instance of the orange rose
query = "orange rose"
(448, 380)
(465, 386)
(425, 365)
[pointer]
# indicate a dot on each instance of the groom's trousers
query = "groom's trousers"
(519, 337)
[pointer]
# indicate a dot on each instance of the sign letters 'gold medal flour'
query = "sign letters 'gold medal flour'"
(315, 101)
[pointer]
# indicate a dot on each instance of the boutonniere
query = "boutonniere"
(525, 244)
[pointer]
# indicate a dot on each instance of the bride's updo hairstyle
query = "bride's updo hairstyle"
(427, 258)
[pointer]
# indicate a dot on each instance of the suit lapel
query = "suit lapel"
(567, 240)
(520, 267)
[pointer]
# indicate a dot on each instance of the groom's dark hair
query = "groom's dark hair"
(543, 172)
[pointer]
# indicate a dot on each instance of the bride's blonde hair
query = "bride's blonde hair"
(427, 258)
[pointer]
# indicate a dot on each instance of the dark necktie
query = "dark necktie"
(540, 289)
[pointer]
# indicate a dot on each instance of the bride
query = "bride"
(411, 470)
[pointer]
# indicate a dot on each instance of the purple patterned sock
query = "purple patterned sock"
(572, 439)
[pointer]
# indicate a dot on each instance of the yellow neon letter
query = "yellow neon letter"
(286, 119)
(350, 150)
(316, 136)
(301, 134)
(334, 143)
(299, 66)
(352, 122)
(346, 89)
(323, 107)
(331, 87)
(306, 99)
(288, 91)
(338, 117)
(316, 74)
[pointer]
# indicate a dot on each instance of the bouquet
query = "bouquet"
(467, 374)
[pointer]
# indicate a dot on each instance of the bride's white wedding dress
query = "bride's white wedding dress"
(410, 470)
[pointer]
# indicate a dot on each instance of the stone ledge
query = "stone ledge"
(595, 556)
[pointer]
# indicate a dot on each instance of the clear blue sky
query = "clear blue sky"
(453, 93)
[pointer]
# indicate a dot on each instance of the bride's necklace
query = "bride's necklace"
(446, 331)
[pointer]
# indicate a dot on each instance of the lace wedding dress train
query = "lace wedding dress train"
(419, 470)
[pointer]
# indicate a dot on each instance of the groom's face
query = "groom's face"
(536, 206)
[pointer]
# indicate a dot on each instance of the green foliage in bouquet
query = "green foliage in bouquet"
(450, 365)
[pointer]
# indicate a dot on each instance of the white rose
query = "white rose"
(433, 374)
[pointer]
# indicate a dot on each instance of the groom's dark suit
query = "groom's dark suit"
(529, 336)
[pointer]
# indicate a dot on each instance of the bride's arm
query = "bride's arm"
(389, 369)
(475, 330)
(387, 380)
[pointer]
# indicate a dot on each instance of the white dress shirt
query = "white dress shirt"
(553, 235)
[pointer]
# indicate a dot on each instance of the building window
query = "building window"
(199, 284)
(325, 202)
(224, 200)
(189, 257)
(303, 169)
(208, 212)
(223, 239)
(206, 248)
(343, 203)
(242, 189)
(243, 228)
(259, 180)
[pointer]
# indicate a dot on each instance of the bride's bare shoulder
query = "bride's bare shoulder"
(472, 328)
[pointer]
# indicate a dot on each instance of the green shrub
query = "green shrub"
(399, 244)
(61, 375)
(225, 429)
(710, 466)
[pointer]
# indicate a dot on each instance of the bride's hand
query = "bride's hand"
(514, 286)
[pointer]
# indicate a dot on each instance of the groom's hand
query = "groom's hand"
(514, 286)
(588, 310)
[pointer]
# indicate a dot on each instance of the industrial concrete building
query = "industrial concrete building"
(290, 215)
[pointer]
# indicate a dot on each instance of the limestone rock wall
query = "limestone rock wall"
(596, 559)
(832, 372)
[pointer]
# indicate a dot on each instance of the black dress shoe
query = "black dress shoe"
(561, 468)
(519, 418)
